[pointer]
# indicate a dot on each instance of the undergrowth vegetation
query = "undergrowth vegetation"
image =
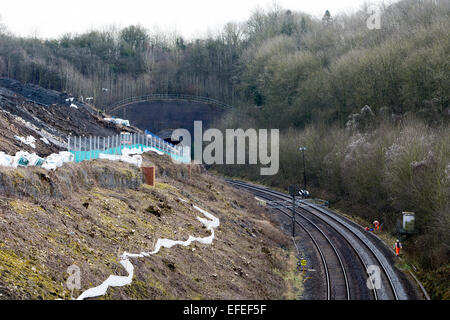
(298, 69)
(375, 174)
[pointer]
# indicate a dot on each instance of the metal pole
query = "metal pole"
(293, 216)
(304, 171)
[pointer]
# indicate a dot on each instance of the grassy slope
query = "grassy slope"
(87, 214)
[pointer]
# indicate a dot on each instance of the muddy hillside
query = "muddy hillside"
(29, 113)
(88, 214)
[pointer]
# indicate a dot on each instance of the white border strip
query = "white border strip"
(119, 281)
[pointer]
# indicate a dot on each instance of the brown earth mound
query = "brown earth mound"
(29, 110)
(87, 214)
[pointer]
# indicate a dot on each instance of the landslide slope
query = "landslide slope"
(30, 110)
(88, 214)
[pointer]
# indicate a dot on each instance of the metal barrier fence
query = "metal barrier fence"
(90, 147)
(153, 97)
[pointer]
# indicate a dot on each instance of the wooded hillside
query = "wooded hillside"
(298, 68)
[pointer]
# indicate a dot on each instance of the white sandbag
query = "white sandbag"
(57, 160)
(25, 159)
(6, 160)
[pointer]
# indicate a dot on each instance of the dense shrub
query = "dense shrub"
(375, 174)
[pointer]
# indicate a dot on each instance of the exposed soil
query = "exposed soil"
(86, 214)
(31, 110)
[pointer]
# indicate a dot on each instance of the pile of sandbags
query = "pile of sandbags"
(21, 159)
(57, 160)
(25, 159)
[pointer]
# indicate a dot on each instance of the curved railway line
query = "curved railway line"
(330, 258)
(345, 252)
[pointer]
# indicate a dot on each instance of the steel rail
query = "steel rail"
(322, 256)
(278, 195)
(284, 196)
(347, 287)
(382, 265)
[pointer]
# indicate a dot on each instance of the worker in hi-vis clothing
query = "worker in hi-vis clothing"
(376, 225)
(397, 247)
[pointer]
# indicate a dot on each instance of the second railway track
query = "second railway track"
(340, 247)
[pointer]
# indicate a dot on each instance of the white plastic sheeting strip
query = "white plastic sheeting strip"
(119, 281)
(131, 156)
(130, 151)
(57, 160)
(135, 160)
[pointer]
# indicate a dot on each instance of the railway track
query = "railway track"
(337, 286)
(341, 246)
